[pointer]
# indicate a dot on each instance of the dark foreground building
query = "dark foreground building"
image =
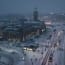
(25, 31)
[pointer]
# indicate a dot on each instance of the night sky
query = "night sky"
(27, 6)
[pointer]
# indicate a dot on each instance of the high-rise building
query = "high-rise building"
(35, 15)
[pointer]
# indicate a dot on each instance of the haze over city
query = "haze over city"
(27, 6)
(32, 32)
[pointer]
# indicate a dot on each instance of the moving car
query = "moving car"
(50, 58)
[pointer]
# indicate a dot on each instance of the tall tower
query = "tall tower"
(35, 15)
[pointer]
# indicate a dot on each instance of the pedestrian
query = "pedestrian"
(32, 63)
(35, 59)
(55, 64)
(45, 49)
(31, 59)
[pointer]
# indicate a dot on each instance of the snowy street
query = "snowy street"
(53, 42)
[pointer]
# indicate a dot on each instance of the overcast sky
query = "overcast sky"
(27, 6)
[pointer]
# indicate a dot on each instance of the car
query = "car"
(50, 58)
(54, 30)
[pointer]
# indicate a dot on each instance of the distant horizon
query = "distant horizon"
(27, 6)
(32, 13)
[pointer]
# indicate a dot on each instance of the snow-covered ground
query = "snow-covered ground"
(29, 57)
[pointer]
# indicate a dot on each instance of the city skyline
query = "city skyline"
(27, 6)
